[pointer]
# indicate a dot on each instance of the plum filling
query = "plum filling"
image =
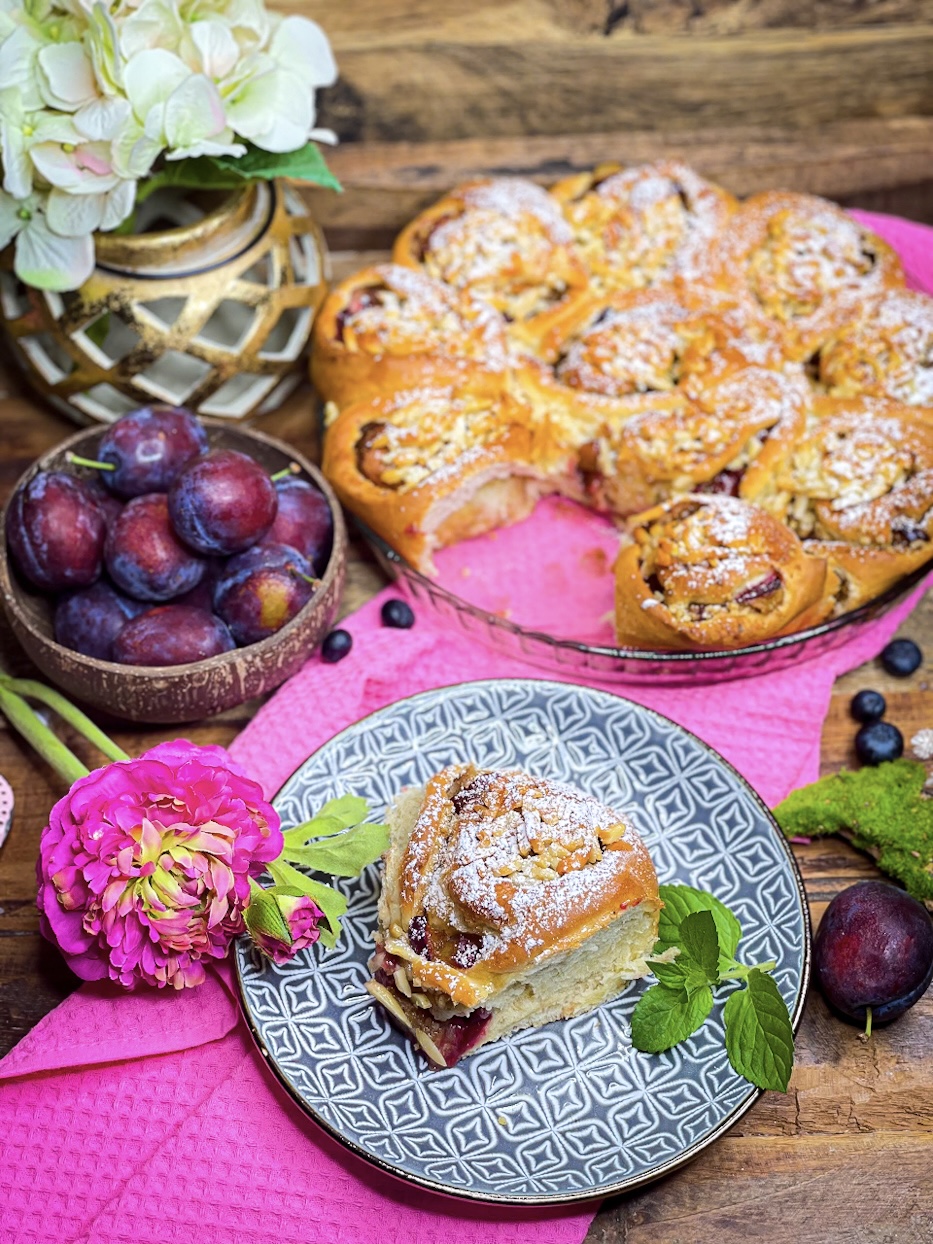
(764, 587)
(904, 532)
(726, 483)
(369, 459)
(466, 951)
(451, 1038)
(418, 935)
(460, 1033)
(422, 245)
(360, 299)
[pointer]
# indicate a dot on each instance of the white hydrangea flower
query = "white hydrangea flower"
(19, 132)
(43, 258)
(65, 76)
(96, 94)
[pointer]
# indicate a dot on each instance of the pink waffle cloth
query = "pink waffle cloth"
(151, 1116)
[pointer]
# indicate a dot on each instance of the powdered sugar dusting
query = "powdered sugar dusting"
(517, 859)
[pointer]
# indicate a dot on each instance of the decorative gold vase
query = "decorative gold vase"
(210, 310)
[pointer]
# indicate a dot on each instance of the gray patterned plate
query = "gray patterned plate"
(555, 1114)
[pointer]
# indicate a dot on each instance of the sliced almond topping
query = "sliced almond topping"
(430, 1049)
(383, 996)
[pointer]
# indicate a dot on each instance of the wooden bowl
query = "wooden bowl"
(172, 693)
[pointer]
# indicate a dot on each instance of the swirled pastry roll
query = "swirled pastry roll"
(732, 428)
(431, 466)
(858, 489)
(508, 901)
(804, 263)
(645, 225)
(715, 572)
(658, 340)
(390, 327)
(886, 352)
(506, 240)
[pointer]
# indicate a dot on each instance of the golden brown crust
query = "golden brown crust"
(388, 327)
(804, 263)
(661, 339)
(625, 339)
(732, 427)
(431, 466)
(714, 572)
(644, 226)
(502, 870)
(886, 352)
(506, 240)
(858, 489)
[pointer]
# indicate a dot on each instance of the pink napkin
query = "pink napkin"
(150, 1116)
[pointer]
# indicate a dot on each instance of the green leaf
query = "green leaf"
(334, 816)
(679, 902)
(682, 973)
(700, 940)
(665, 1017)
(759, 1035)
(201, 173)
(263, 916)
(306, 164)
(342, 855)
(331, 902)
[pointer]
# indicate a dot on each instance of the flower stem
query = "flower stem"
(67, 711)
(77, 460)
(39, 736)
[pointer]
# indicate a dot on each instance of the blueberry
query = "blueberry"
(868, 706)
(877, 742)
(901, 657)
(336, 646)
(397, 613)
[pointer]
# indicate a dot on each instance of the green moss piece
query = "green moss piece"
(880, 810)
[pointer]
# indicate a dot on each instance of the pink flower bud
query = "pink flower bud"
(282, 924)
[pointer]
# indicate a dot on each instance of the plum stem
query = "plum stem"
(739, 971)
(293, 569)
(292, 469)
(77, 460)
(866, 1035)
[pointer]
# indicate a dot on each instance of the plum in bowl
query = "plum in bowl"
(185, 692)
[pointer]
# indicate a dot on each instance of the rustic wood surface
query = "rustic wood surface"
(883, 165)
(846, 1155)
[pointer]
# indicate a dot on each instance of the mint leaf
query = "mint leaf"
(665, 1017)
(759, 1035)
(345, 854)
(330, 901)
(700, 940)
(682, 900)
(683, 973)
(306, 164)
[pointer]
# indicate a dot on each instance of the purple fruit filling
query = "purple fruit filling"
(764, 587)
(466, 951)
(460, 1034)
(359, 300)
(726, 484)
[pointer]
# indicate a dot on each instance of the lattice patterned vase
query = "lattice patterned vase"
(213, 313)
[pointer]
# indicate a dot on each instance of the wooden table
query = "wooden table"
(845, 1155)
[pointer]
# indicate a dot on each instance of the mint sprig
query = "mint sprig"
(759, 1034)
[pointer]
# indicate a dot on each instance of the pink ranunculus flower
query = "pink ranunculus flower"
(283, 924)
(144, 868)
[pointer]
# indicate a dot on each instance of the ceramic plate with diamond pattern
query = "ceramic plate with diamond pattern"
(569, 1111)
